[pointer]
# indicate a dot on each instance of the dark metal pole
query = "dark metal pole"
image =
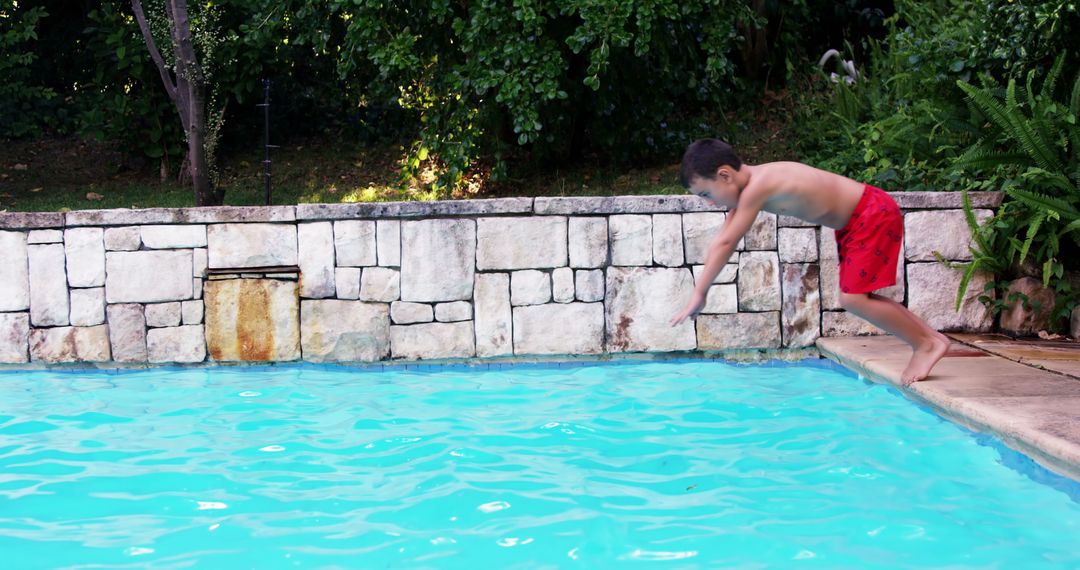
(266, 136)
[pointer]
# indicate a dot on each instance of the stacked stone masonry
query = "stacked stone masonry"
(481, 278)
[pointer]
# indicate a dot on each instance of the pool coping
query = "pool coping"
(1031, 410)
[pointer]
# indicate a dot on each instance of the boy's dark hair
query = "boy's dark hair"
(702, 159)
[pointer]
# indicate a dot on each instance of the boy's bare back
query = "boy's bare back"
(802, 191)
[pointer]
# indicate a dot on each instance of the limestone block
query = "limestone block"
(800, 317)
(942, 231)
(14, 338)
(1031, 311)
(631, 239)
(830, 273)
(727, 274)
(344, 331)
(251, 245)
(759, 281)
(70, 344)
(589, 285)
(438, 260)
(699, 230)
(721, 299)
(44, 236)
(493, 315)
(740, 330)
(762, 234)
(148, 276)
(388, 243)
(797, 245)
(521, 242)
(173, 237)
(252, 320)
(529, 287)
(347, 282)
(48, 286)
(588, 238)
(15, 278)
(843, 323)
(453, 312)
(639, 306)
(668, 240)
(432, 340)
(932, 291)
(183, 344)
(88, 307)
(164, 314)
(406, 313)
(355, 242)
(315, 243)
(380, 284)
(85, 252)
(562, 285)
(192, 312)
(127, 332)
(793, 222)
(126, 238)
(555, 328)
(197, 288)
(199, 262)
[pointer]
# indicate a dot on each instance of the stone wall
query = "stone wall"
(479, 278)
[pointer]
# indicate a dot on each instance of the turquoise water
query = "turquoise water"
(657, 465)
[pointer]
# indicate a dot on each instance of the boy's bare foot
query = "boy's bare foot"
(924, 358)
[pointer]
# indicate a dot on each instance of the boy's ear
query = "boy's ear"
(724, 173)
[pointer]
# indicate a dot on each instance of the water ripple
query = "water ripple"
(657, 465)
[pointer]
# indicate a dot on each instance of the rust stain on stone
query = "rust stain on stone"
(254, 326)
(621, 337)
(239, 325)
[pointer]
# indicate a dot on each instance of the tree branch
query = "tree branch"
(170, 86)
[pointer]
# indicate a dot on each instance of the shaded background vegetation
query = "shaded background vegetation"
(377, 100)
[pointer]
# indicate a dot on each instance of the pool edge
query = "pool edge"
(873, 362)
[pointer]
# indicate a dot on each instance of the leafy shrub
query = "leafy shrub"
(122, 99)
(23, 101)
(1015, 36)
(902, 121)
(492, 81)
(1035, 136)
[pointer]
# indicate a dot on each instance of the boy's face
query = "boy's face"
(720, 190)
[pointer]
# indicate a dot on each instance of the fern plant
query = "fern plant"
(1035, 137)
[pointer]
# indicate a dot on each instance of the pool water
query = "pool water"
(687, 464)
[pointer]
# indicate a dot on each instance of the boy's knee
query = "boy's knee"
(849, 301)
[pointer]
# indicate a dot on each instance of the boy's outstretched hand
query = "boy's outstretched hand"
(696, 304)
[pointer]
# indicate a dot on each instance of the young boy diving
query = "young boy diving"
(869, 228)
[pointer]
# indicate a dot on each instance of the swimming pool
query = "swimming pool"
(657, 464)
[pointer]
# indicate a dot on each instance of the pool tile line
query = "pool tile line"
(1033, 411)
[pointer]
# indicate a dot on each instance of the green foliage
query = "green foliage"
(23, 101)
(122, 99)
(490, 80)
(1035, 136)
(900, 124)
(1015, 36)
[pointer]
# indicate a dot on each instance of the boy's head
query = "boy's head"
(708, 171)
(703, 158)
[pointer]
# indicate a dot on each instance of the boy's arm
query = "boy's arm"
(720, 251)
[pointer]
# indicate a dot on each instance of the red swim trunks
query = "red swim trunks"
(869, 244)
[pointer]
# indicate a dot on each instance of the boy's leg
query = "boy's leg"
(928, 346)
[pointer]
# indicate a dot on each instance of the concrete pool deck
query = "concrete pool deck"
(1025, 392)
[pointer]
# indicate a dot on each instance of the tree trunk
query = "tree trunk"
(187, 91)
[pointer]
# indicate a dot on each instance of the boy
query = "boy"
(869, 227)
